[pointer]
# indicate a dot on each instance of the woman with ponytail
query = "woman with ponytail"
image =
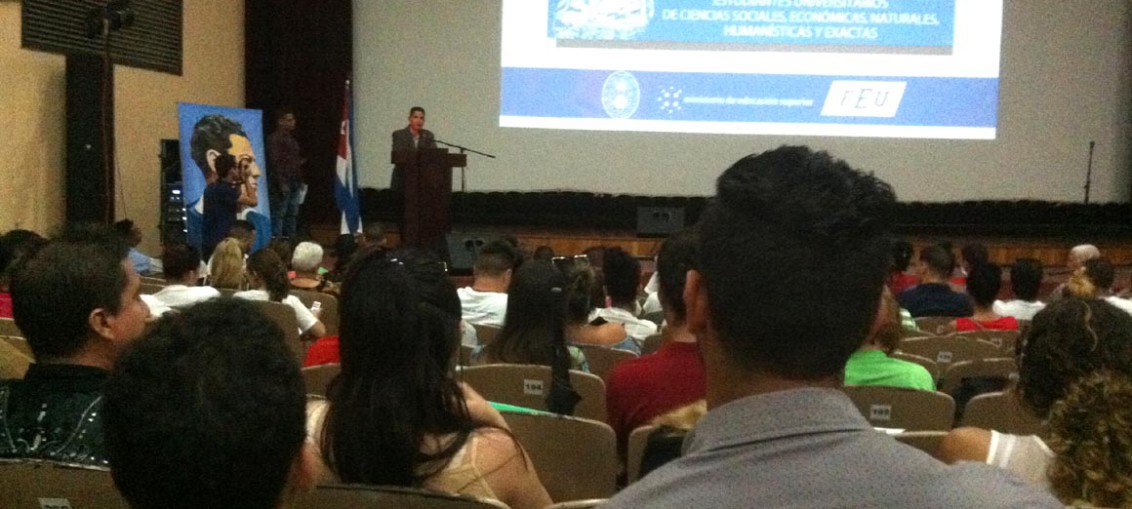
(268, 276)
(395, 416)
(1075, 370)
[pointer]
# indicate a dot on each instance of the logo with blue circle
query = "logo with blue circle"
(620, 95)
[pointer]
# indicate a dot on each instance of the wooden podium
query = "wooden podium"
(427, 179)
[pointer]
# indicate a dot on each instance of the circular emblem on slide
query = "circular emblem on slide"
(620, 95)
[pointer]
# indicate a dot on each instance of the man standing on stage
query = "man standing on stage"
(285, 183)
(412, 137)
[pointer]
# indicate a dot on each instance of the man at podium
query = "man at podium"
(412, 137)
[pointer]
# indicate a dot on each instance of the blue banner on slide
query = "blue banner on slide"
(675, 96)
(876, 23)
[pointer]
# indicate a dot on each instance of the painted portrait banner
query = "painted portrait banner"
(208, 132)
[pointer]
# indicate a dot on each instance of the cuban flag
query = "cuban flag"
(346, 185)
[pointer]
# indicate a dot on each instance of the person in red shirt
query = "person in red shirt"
(898, 278)
(641, 389)
(983, 282)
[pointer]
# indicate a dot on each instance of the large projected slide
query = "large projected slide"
(878, 68)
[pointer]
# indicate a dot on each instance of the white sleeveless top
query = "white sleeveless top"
(1027, 456)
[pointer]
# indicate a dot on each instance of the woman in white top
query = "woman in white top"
(268, 276)
(1075, 369)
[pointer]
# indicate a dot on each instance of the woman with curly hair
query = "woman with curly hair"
(1075, 369)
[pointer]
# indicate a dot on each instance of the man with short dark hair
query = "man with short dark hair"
(182, 272)
(208, 411)
(285, 183)
(77, 302)
(1025, 280)
(792, 260)
(621, 274)
(933, 296)
(485, 302)
(413, 137)
(132, 235)
(640, 389)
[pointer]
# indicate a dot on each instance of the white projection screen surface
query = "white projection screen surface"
(1063, 78)
(879, 68)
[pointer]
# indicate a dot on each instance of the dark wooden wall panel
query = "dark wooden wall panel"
(299, 53)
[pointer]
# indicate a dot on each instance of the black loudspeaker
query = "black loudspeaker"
(463, 248)
(90, 139)
(659, 221)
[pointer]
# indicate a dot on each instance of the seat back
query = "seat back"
(14, 362)
(318, 378)
(329, 314)
(284, 317)
(8, 328)
(927, 363)
(1001, 411)
(39, 484)
(945, 350)
(356, 496)
(19, 343)
(903, 408)
(994, 367)
(635, 452)
(927, 441)
(936, 324)
(527, 385)
(1005, 340)
(575, 458)
(602, 359)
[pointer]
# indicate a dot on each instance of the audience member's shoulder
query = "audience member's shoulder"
(974, 484)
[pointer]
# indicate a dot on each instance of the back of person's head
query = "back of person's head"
(268, 269)
(129, 232)
(399, 320)
(307, 257)
(580, 282)
(282, 247)
(973, 254)
(938, 260)
(1075, 367)
(178, 260)
(56, 290)
(535, 313)
(226, 268)
(1101, 272)
(543, 253)
(15, 246)
(1080, 254)
(373, 234)
(983, 282)
(243, 231)
(1026, 278)
(901, 255)
(622, 274)
(677, 256)
(495, 259)
(793, 255)
(207, 411)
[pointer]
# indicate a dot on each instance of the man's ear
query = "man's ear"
(99, 322)
(211, 156)
(696, 303)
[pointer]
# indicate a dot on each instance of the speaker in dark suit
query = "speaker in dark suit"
(413, 137)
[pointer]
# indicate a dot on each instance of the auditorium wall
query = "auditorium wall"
(32, 139)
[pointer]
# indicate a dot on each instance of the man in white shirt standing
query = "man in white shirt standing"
(485, 302)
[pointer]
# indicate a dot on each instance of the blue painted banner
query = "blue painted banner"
(887, 100)
(876, 23)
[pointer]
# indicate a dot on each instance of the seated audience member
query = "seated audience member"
(543, 253)
(871, 364)
(898, 277)
(306, 261)
(15, 246)
(181, 290)
(622, 282)
(640, 389)
(933, 296)
(77, 302)
(284, 249)
(373, 235)
(395, 416)
(485, 302)
(779, 432)
(1075, 372)
(983, 282)
(208, 411)
(1075, 261)
(1025, 280)
(268, 278)
(132, 235)
(535, 321)
(244, 232)
(971, 255)
(1095, 279)
(666, 442)
(580, 280)
(226, 266)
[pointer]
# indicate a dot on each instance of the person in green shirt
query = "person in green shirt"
(871, 365)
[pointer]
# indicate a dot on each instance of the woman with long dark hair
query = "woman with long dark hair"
(394, 415)
(268, 277)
